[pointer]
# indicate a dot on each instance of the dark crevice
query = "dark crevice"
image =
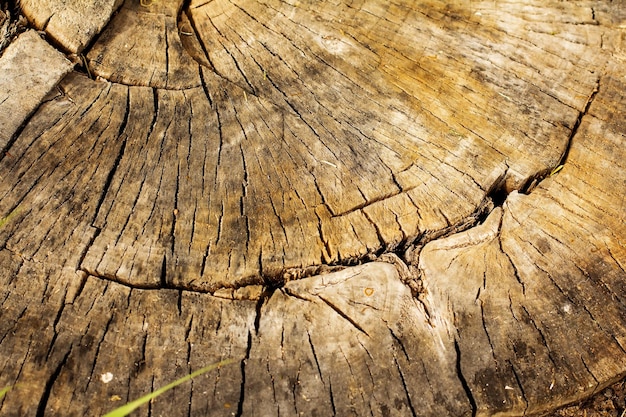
(54, 329)
(192, 22)
(497, 196)
(205, 88)
(379, 233)
(294, 390)
(99, 346)
(83, 254)
(515, 271)
(141, 363)
(582, 360)
(275, 279)
(332, 398)
(267, 293)
(150, 402)
(267, 367)
(11, 330)
(191, 383)
(317, 363)
(484, 323)
(464, 384)
(343, 315)
(533, 181)
(519, 384)
(577, 123)
(43, 402)
(242, 393)
(167, 57)
(406, 389)
(163, 277)
(399, 342)
(188, 328)
(248, 86)
(593, 15)
(179, 302)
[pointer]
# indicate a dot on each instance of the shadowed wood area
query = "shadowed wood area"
(375, 208)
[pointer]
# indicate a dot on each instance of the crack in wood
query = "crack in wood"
(406, 388)
(519, 384)
(461, 377)
(317, 363)
(244, 361)
(332, 397)
(343, 314)
(544, 341)
(536, 179)
(45, 396)
(338, 122)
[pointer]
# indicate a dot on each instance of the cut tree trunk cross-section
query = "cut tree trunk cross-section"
(378, 208)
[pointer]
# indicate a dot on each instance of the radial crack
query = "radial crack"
(244, 361)
(466, 387)
(579, 119)
(406, 388)
(343, 315)
(43, 402)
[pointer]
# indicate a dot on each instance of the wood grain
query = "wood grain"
(374, 208)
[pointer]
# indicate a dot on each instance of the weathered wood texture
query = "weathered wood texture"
(70, 24)
(205, 197)
(30, 68)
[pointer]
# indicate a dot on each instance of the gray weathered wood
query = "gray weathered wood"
(30, 68)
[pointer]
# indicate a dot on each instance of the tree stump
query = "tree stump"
(375, 208)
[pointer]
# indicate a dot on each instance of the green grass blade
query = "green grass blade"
(3, 221)
(4, 390)
(131, 406)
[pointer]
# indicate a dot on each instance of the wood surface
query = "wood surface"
(30, 68)
(375, 208)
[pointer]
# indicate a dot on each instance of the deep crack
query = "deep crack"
(464, 384)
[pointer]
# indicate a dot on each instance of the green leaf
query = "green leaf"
(131, 406)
